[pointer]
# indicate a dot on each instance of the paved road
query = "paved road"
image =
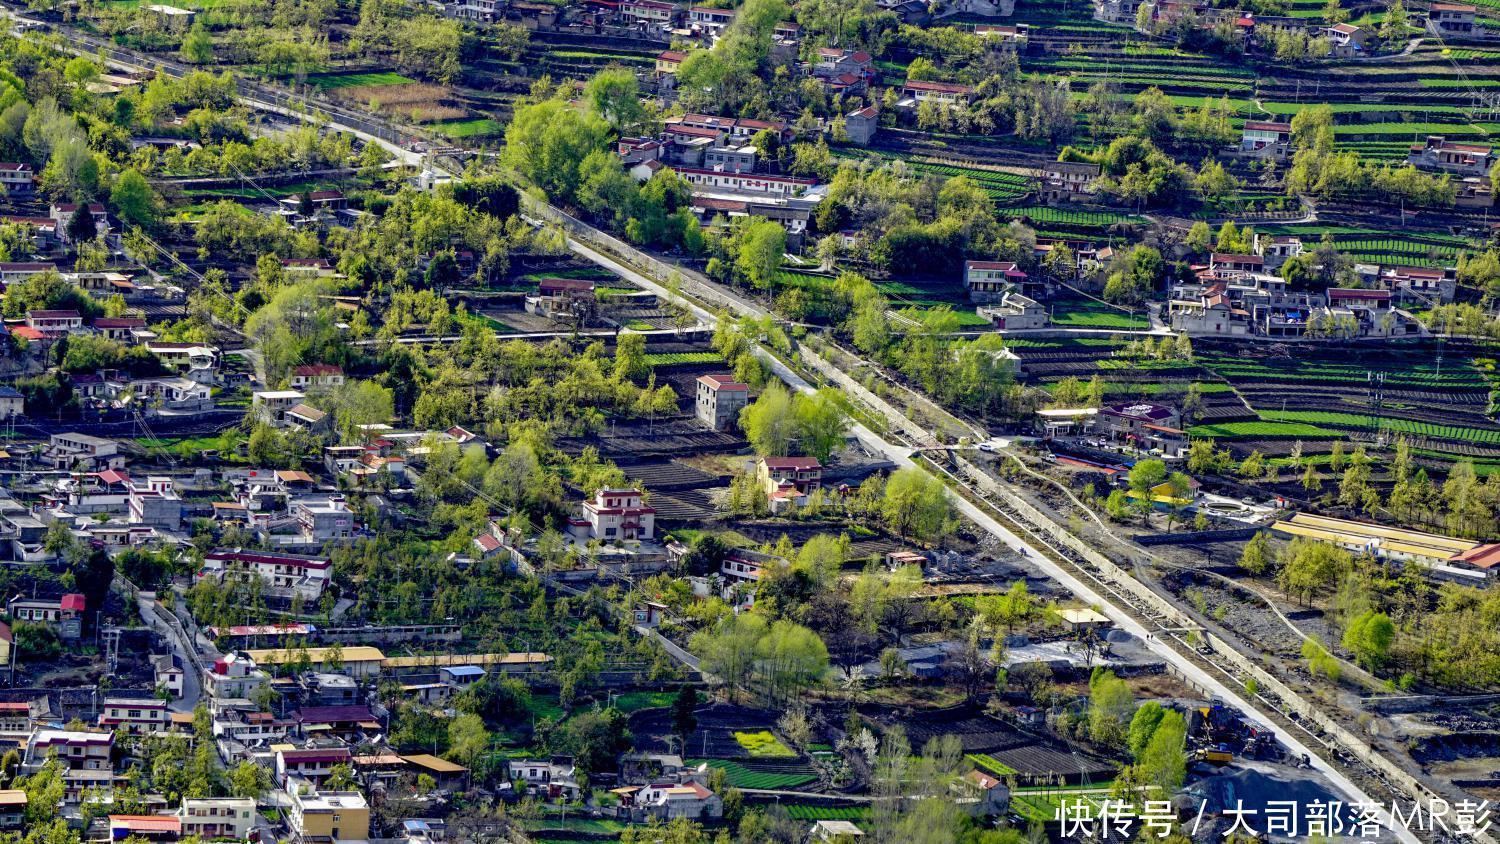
(192, 688)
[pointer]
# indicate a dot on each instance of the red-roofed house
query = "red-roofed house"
(317, 375)
(680, 800)
(283, 574)
(148, 827)
(667, 62)
(615, 514)
(1262, 137)
(947, 93)
(1486, 558)
(720, 400)
(313, 765)
(789, 480)
(55, 323)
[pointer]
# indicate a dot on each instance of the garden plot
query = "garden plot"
(662, 476)
(663, 438)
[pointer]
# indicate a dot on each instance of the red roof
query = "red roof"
(26, 332)
(314, 370)
(1480, 556)
(724, 382)
(257, 557)
(317, 755)
(53, 315)
(113, 476)
(72, 602)
(119, 322)
(487, 541)
(800, 464)
(147, 823)
(1367, 295)
(675, 56)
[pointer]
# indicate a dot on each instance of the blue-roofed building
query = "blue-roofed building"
(461, 676)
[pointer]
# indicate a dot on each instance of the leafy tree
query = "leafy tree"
(1142, 726)
(1308, 566)
(1164, 759)
(197, 45)
(134, 200)
(248, 779)
(467, 738)
(1369, 637)
(613, 94)
(684, 722)
(916, 504)
(81, 227)
(1146, 475)
(762, 244)
(768, 422)
(1256, 555)
(547, 142)
(1111, 707)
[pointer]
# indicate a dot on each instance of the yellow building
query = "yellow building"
(326, 815)
(358, 660)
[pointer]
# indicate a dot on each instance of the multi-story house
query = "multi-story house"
(233, 675)
(988, 281)
(16, 179)
(283, 575)
(86, 757)
(614, 514)
(1451, 19)
(648, 12)
(62, 214)
(720, 399)
(271, 405)
(312, 764)
(212, 818)
(1264, 138)
(323, 518)
(326, 816)
(83, 452)
(1068, 181)
(135, 717)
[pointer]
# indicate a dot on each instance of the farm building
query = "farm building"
(1446, 557)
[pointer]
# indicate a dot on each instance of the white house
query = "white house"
(615, 514)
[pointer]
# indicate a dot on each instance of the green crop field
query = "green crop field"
(739, 776)
(1071, 217)
(334, 81)
(635, 701)
(682, 358)
(990, 764)
(814, 812)
(1086, 313)
(1484, 436)
(480, 127)
(1248, 430)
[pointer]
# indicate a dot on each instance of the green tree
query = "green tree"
(762, 244)
(819, 422)
(467, 738)
(613, 94)
(1111, 707)
(768, 422)
(197, 45)
(1309, 566)
(917, 505)
(248, 779)
(134, 200)
(1256, 555)
(1142, 726)
(1369, 637)
(1163, 762)
(547, 141)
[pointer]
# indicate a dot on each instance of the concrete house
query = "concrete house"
(719, 401)
(614, 514)
(1439, 153)
(989, 281)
